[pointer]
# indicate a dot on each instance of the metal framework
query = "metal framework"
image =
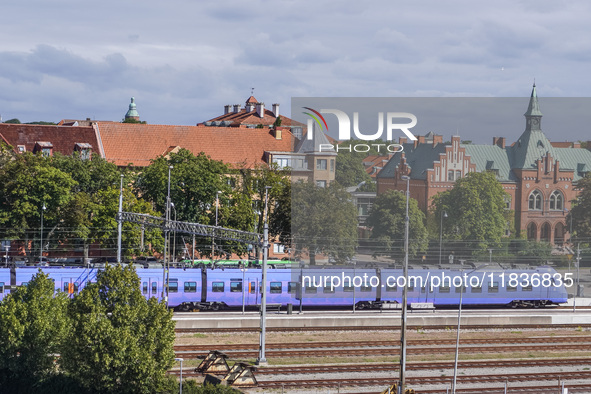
(227, 234)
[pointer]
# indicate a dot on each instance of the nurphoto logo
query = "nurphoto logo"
(344, 133)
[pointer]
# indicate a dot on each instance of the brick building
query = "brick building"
(539, 176)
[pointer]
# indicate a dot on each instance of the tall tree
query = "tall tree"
(388, 223)
(324, 221)
(476, 212)
(119, 341)
(28, 183)
(580, 213)
(32, 328)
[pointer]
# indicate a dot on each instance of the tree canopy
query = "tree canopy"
(476, 212)
(387, 219)
(324, 220)
(580, 213)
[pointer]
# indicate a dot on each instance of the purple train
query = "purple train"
(214, 289)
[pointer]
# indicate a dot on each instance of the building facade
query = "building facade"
(539, 176)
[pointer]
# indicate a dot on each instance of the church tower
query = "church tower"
(132, 112)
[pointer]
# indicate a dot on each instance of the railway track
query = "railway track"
(426, 380)
(415, 342)
(352, 351)
(391, 367)
(465, 327)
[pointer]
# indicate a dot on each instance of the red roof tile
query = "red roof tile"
(62, 138)
(138, 144)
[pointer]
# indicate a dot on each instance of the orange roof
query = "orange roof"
(138, 144)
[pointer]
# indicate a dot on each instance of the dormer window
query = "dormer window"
(83, 149)
(46, 148)
(21, 148)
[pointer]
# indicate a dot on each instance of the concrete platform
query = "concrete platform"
(492, 318)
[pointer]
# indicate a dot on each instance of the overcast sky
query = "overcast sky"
(184, 60)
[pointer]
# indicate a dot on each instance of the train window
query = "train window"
(276, 288)
(393, 287)
(145, 287)
(190, 287)
(311, 290)
(511, 288)
(348, 288)
(217, 287)
(365, 289)
(527, 288)
(328, 290)
(173, 286)
(422, 289)
(24, 283)
(443, 289)
(476, 289)
(292, 287)
(462, 288)
(154, 287)
(493, 287)
(411, 284)
(1, 287)
(253, 287)
(235, 286)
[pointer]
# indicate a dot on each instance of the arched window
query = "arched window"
(535, 201)
(532, 231)
(556, 201)
(545, 232)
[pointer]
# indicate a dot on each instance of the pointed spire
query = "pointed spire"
(533, 109)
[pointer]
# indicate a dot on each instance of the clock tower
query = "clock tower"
(533, 116)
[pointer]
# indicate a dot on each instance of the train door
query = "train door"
(150, 287)
(69, 286)
(250, 292)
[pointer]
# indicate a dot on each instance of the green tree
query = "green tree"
(351, 172)
(387, 220)
(580, 213)
(476, 213)
(324, 221)
(119, 341)
(32, 326)
(13, 121)
(26, 184)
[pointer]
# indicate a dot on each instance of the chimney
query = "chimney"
(437, 139)
(276, 110)
(499, 141)
(236, 108)
(249, 107)
(227, 109)
(402, 140)
(261, 110)
(278, 132)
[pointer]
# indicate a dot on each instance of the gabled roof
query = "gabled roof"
(138, 144)
(313, 145)
(419, 158)
(491, 157)
(63, 139)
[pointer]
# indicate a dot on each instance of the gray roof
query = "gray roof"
(313, 145)
(420, 159)
(491, 157)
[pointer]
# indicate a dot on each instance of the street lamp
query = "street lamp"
(462, 288)
(120, 221)
(404, 294)
(181, 381)
(174, 236)
(41, 235)
(443, 215)
(262, 359)
(166, 232)
(217, 203)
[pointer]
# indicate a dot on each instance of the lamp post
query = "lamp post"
(41, 235)
(166, 232)
(179, 359)
(577, 281)
(463, 287)
(174, 235)
(490, 256)
(443, 215)
(243, 285)
(120, 221)
(404, 294)
(217, 203)
(262, 359)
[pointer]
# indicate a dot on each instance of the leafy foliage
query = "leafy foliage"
(476, 212)
(580, 213)
(32, 328)
(324, 221)
(388, 221)
(119, 342)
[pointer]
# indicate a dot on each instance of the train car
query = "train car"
(220, 288)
